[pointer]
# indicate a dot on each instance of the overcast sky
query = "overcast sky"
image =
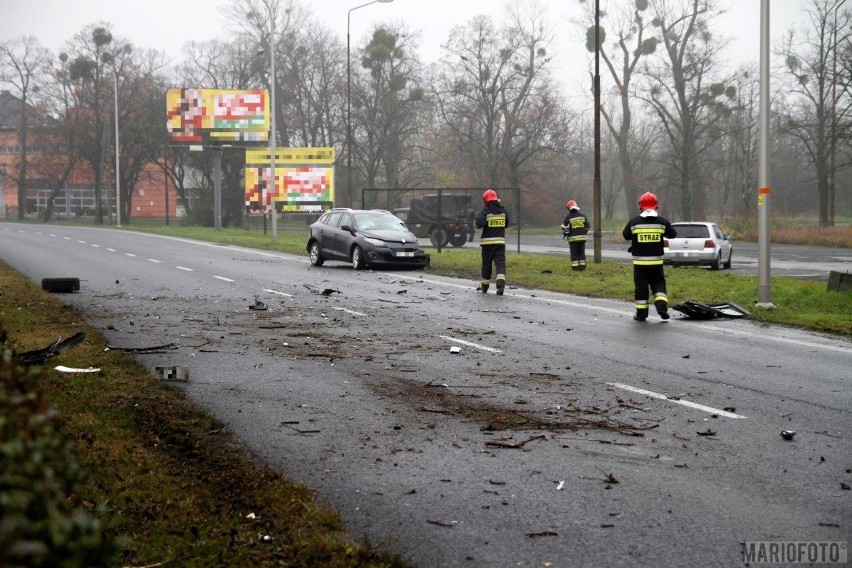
(165, 24)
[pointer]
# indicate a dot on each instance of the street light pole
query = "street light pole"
(273, 143)
(349, 101)
(117, 162)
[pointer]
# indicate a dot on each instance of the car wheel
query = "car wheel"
(316, 258)
(715, 264)
(358, 258)
(727, 265)
(439, 237)
(458, 240)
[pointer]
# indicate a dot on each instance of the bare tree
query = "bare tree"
(683, 93)
(388, 102)
(496, 99)
(630, 44)
(814, 113)
(23, 65)
(92, 53)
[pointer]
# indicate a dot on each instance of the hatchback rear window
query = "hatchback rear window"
(692, 231)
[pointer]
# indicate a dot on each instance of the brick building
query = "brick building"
(73, 194)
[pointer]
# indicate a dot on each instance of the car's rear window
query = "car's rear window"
(692, 231)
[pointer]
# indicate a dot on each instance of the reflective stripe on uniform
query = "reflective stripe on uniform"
(492, 241)
(647, 260)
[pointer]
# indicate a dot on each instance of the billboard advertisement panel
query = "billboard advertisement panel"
(217, 116)
(304, 179)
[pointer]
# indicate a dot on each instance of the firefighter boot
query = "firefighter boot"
(501, 284)
(641, 315)
(662, 308)
(483, 286)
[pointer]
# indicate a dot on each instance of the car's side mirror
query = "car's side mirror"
(347, 228)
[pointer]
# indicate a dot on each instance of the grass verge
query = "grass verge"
(799, 303)
(173, 486)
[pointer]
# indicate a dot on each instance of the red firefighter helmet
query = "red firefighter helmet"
(572, 204)
(489, 195)
(648, 201)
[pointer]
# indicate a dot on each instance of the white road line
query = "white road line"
(277, 292)
(96, 246)
(52, 235)
(113, 250)
(39, 232)
(222, 278)
(69, 238)
(749, 334)
(131, 254)
(469, 344)
(185, 268)
(84, 242)
(695, 405)
(348, 311)
(155, 260)
(746, 333)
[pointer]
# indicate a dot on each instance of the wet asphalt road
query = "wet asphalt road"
(562, 433)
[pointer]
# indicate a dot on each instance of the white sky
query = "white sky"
(153, 24)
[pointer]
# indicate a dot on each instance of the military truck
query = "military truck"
(449, 219)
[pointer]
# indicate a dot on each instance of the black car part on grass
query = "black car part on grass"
(697, 310)
(41, 355)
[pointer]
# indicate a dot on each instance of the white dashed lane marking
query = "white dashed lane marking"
(694, 405)
(470, 344)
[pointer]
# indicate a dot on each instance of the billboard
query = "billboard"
(217, 116)
(304, 179)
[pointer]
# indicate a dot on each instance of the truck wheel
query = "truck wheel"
(439, 237)
(458, 240)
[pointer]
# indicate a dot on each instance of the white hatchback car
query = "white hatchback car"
(699, 244)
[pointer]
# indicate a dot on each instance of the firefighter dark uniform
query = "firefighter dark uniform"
(492, 219)
(574, 227)
(646, 232)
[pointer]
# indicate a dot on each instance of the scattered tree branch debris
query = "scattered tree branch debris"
(507, 444)
(443, 523)
(542, 533)
(145, 350)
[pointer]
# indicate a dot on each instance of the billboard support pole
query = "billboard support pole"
(217, 186)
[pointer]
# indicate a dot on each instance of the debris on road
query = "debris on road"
(323, 292)
(60, 285)
(171, 373)
(697, 310)
(707, 432)
(144, 350)
(64, 369)
(507, 444)
(455, 349)
(449, 524)
(258, 306)
(542, 533)
(788, 434)
(561, 486)
(37, 356)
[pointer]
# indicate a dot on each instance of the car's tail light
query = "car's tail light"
(666, 243)
(710, 244)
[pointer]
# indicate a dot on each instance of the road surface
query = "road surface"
(562, 433)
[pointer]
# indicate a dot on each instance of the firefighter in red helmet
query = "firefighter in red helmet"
(646, 232)
(492, 219)
(574, 228)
